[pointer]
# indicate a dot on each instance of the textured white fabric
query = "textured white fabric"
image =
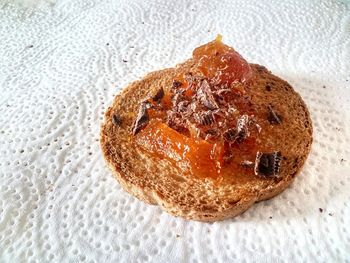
(61, 63)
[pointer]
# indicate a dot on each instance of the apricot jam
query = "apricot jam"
(198, 156)
(205, 121)
(221, 63)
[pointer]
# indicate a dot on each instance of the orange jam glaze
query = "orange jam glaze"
(221, 63)
(198, 156)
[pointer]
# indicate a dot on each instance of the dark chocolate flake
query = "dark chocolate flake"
(247, 164)
(158, 96)
(178, 97)
(230, 135)
(116, 120)
(240, 132)
(242, 128)
(273, 117)
(206, 118)
(176, 84)
(142, 118)
(205, 95)
(268, 164)
(176, 121)
(182, 106)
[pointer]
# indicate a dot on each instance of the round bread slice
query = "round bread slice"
(157, 181)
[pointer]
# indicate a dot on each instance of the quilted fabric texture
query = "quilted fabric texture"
(62, 62)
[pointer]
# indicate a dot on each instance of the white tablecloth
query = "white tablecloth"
(61, 63)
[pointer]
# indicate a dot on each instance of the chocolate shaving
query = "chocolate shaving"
(230, 135)
(116, 120)
(159, 95)
(240, 132)
(273, 117)
(205, 118)
(182, 106)
(192, 107)
(247, 164)
(268, 164)
(176, 84)
(176, 121)
(205, 95)
(242, 128)
(178, 97)
(142, 118)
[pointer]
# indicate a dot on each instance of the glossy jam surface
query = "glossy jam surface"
(198, 156)
(195, 147)
(221, 63)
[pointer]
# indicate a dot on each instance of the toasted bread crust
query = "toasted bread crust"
(156, 181)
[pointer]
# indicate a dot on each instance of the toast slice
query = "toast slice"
(158, 181)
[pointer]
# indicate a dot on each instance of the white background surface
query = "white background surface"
(61, 63)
